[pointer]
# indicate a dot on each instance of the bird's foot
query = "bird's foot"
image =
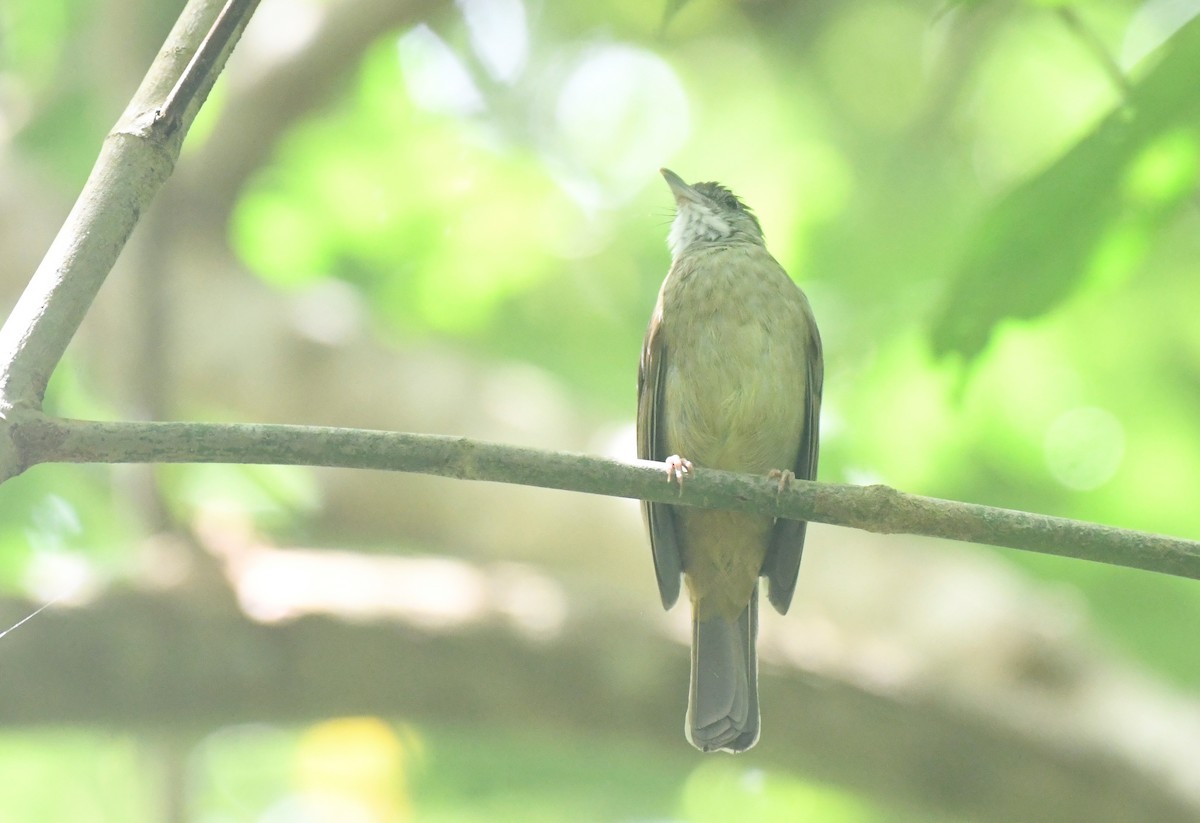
(785, 478)
(677, 468)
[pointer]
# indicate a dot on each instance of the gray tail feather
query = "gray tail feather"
(723, 703)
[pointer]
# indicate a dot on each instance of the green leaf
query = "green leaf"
(1090, 215)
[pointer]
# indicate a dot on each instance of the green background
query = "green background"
(998, 236)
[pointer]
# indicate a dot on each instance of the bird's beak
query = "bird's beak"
(682, 191)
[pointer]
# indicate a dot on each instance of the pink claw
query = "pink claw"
(677, 467)
(785, 478)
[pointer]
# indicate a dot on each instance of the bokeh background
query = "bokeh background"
(446, 217)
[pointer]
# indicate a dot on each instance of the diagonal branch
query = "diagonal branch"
(138, 156)
(37, 439)
(197, 79)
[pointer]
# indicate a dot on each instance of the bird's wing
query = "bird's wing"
(651, 445)
(782, 563)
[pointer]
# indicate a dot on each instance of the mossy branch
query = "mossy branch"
(38, 439)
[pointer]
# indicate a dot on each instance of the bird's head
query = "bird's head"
(708, 213)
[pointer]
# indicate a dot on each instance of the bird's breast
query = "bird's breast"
(735, 328)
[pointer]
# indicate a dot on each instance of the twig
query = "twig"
(200, 71)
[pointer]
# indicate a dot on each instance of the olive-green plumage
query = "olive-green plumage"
(730, 379)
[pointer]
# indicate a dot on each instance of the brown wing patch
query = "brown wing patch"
(660, 517)
(782, 564)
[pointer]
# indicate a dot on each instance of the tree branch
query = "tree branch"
(38, 439)
(202, 70)
(137, 157)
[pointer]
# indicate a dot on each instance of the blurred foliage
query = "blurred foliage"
(1093, 213)
(1000, 248)
(106, 784)
(365, 769)
(719, 790)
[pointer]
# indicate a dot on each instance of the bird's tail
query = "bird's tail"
(723, 704)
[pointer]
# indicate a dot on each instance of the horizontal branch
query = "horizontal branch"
(37, 439)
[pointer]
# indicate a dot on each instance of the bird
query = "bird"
(730, 378)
